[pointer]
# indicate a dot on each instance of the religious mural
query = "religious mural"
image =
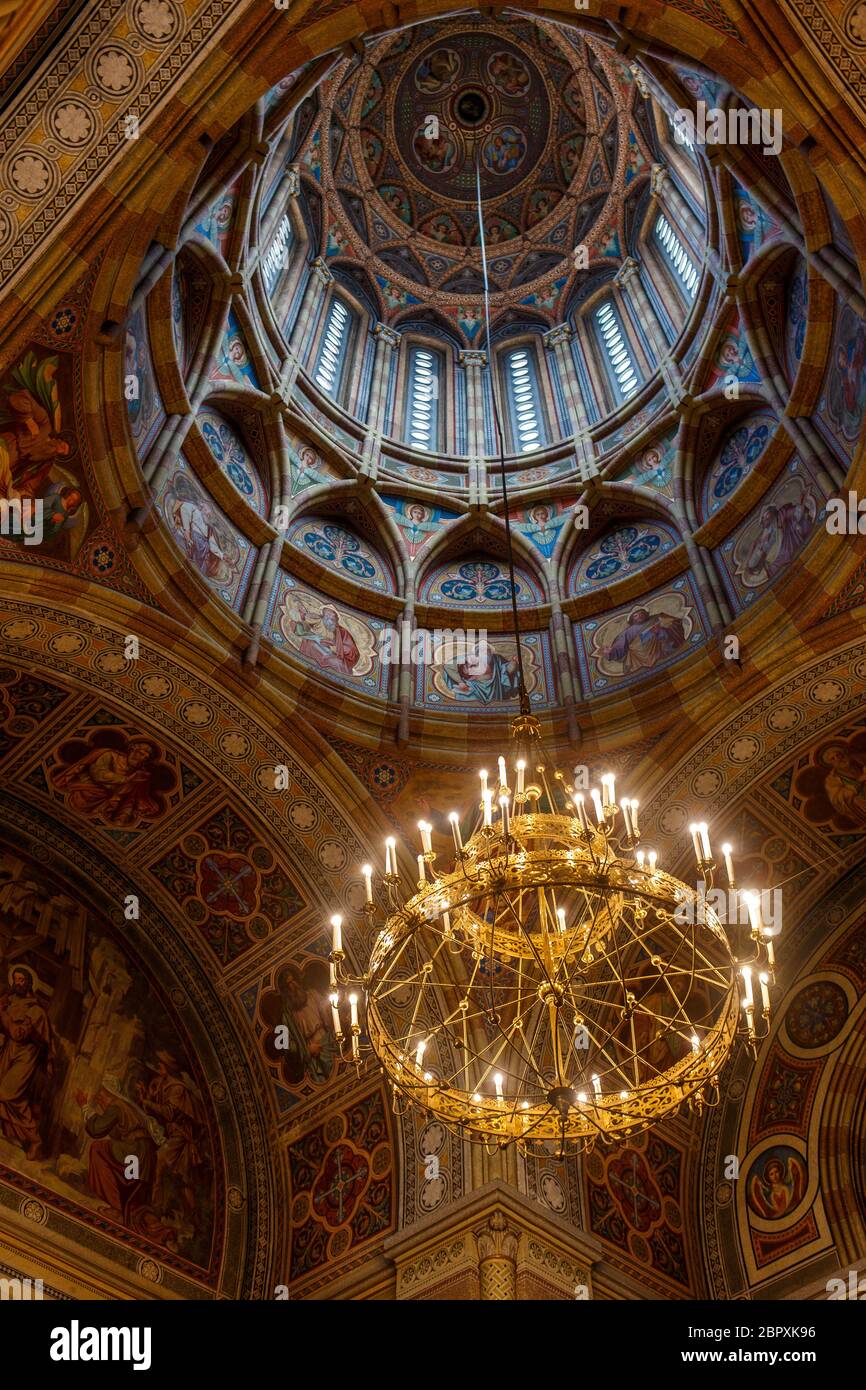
(636, 1204)
(93, 1071)
(39, 464)
(797, 302)
(233, 360)
(339, 549)
(231, 453)
(830, 786)
(299, 1039)
(485, 672)
(342, 1185)
(478, 583)
(642, 638)
(335, 640)
(843, 399)
(762, 547)
(739, 450)
(114, 777)
(653, 467)
(542, 522)
(732, 357)
(143, 405)
(215, 548)
(621, 552)
(227, 883)
(216, 223)
(417, 522)
(307, 467)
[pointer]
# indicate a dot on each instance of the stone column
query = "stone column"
(629, 281)
(287, 188)
(387, 343)
(558, 341)
(473, 362)
(317, 286)
(497, 1244)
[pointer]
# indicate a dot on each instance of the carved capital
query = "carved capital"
(560, 334)
(472, 357)
(389, 336)
(318, 267)
(659, 176)
(627, 271)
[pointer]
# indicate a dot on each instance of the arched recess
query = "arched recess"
(471, 539)
(221, 743)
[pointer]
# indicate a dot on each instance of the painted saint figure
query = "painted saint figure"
(113, 783)
(646, 640)
(26, 1049)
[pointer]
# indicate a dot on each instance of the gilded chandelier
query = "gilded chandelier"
(553, 982)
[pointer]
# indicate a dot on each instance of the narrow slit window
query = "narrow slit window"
(276, 256)
(422, 416)
(523, 400)
(332, 352)
(616, 350)
(677, 256)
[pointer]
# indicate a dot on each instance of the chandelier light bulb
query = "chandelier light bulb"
(419, 1053)
(426, 842)
(704, 832)
(634, 824)
(764, 980)
(488, 809)
(626, 817)
(335, 1013)
(521, 768)
(581, 813)
(695, 833)
(748, 1001)
(608, 789)
(503, 807)
(476, 1099)
(652, 859)
(390, 857)
(503, 776)
(582, 1097)
(753, 904)
(560, 912)
(337, 933)
(353, 1005)
(599, 810)
(455, 831)
(497, 1082)
(596, 1085)
(422, 869)
(696, 1043)
(483, 775)
(727, 851)
(640, 857)
(367, 871)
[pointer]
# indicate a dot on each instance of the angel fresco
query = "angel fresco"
(113, 778)
(33, 452)
(776, 1184)
(504, 150)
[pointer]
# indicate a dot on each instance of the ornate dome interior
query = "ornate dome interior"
(279, 454)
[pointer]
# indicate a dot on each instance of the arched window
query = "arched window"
(678, 258)
(422, 398)
(616, 351)
(276, 258)
(680, 134)
(524, 400)
(333, 350)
